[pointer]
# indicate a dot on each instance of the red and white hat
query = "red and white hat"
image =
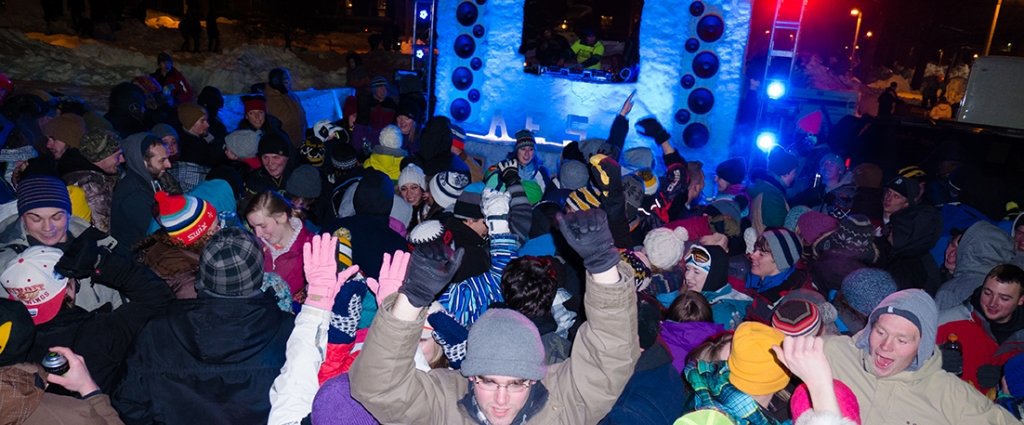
(31, 279)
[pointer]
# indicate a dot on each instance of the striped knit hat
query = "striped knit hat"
(185, 218)
(524, 139)
(796, 318)
(582, 199)
(785, 246)
(42, 191)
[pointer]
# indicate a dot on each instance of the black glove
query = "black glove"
(509, 172)
(588, 234)
(988, 375)
(952, 361)
(430, 270)
(82, 256)
(650, 127)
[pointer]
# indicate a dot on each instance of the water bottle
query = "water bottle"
(953, 343)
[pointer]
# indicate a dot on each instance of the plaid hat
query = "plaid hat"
(189, 114)
(784, 245)
(458, 137)
(304, 182)
(413, 174)
(796, 318)
(334, 405)
(274, 142)
(30, 278)
(378, 81)
(732, 170)
(468, 204)
(781, 162)
(68, 128)
(343, 156)
(42, 191)
(446, 187)
(573, 174)
(524, 138)
(23, 153)
(231, 265)
(254, 102)
(163, 130)
(865, 288)
(186, 218)
(243, 143)
(504, 342)
(582, 199)
(100, 143)
(17, 331)
(753, 368)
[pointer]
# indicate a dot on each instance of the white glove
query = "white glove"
(750, 237)
(494, 205)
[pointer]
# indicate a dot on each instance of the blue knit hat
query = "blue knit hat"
(504, 342)
(865, 288)
(42, 191)
(334, 404)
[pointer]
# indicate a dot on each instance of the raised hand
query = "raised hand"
(495, 205)
(588, 234)
(319, 262)
(431, 269)
(508, 171)
(804, 356)
(392, 273)
(650, 127)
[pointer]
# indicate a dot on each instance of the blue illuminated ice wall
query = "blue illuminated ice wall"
(690, 78)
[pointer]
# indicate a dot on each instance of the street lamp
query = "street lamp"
(856, 35)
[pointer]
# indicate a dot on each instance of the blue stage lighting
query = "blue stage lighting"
(424, 14)
(420, 53)
(776, 89)
(766, 141)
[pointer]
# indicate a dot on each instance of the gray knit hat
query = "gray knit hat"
(785, 246)
(573, 174)
(304, 182)
(916, 306)
(231, 265)
(243, 143)
(637, 158)
(504, 342)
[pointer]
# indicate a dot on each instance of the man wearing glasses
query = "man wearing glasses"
(503, 379)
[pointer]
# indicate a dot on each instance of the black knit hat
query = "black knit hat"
(732, 170)
(274, 142)
(781, 162)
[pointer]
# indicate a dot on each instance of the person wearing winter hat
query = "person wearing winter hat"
(774, 271)
(276, 160)
(896, 349)
(795, 317)
(243, 145)
(730, 173)
(862, 291)
(445, 188)
(179, 358)
(334, 405)
(812, 225)
(900, 193)
(63, 133)
(102, 148)
(409, 119)
(255, 115)
(707, 269)
(286, 106)
(1011, 393)
(187, 223)
(412, 184)
(503, 378)
(767, 191)
(664, 247)
(369, 226)
(522, 160)
(853, 238)
(833, 402)
(303, 189)
(573, 175)
(638, 158)
(388, 155)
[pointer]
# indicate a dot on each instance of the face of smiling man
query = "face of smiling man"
(894, 341)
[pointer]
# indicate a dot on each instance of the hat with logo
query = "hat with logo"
(31, 279)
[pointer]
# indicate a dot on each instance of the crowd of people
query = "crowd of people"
(370, 270)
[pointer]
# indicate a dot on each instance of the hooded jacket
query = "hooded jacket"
(982, 247)
(127, 107)
(914, 232)
(683, 337)
(371, 235)
(185, 371)
(131, 212)
(921, 394)
(768, 207)
(435, 153)
(288, 108)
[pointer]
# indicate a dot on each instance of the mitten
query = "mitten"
(451, 336)
(588, 234)
(650, 127)
(348, 308)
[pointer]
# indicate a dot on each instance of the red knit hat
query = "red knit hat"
(254, 102)
(796, 317)
(186, 218)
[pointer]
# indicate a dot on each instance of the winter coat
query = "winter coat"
(287, 263)
(181, 90)
(372, 237)
(132, 208)
(980, 345)
(580, 390)
(982, 247)
(477, 257)
(288, 108)
(14, 240)
(260, 181)
(291, 395)
(176, 266)
(25, 403)
(435, 150)
(467, 300)
(654, 394)
(186, 371)
(104, 337)
(682, 337)
(765, 299)
(127, 102)
(206, 152)
(728, 306)
(99, 193)
(387, 164)
(927, 395)
(768, 207)
(914, 231)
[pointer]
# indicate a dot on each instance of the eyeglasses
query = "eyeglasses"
(491, 386)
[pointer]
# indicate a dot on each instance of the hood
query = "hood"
(374, 195)
(718, 276)
(245, 328)
(915, 230)
(436, 139)
(133, 154)
(681, 338)
(907, 303)
(982, 247)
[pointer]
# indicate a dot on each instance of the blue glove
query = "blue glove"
(348, 308)
(451, 336)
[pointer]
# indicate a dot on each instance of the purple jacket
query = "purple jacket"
(683, 337)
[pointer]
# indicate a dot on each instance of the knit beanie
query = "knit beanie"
(504, 342)
(524, 138)
(1013, 371)
(243, 143)
(446, 187)
(42, 191)
(664, 247)
(796, 318)
(826, 310)
(68, 128)
(254, 102)
(99, 144)
(413, 174)
(916, 306)
(29, 277)
(343, 156)
(908, 187)
(781, 162)
(793, 216)
(231, 265)
(467, 206)
(637, 158)
(641, 272)
(849, 407)
(334, 405)
(274, 142)
(410, 109)
(391, 137)
(865, 288)
(732, 170)
(573, 174)
(784, 245)
(185, 218)
(163, 130)
(813, 225)
(189, 113)
(753, 368)
(304, 182)
(582, 199)
(378, 81)
(854, 238)
(312, 150)
(17, 331)
(728, 208)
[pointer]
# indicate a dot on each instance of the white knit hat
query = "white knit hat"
(664, 247)
(446, 187)
(391, 137)
(412, 173)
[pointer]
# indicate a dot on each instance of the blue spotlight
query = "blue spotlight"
(424, 14)
(420, 53)
(767, 140)
(776, 89)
